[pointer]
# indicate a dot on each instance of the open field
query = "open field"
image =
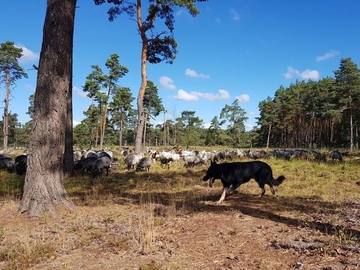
(168, 219)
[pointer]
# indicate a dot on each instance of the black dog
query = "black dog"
(234, 174)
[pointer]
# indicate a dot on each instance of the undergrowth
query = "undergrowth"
(310, 188)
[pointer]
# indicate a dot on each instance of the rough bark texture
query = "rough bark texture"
(43, 189)
(69, 142)
(140, 98)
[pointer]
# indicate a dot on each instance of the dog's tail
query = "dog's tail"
(278, 181)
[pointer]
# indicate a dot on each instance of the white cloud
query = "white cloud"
(206, 125)
(329, 54)
(167, 83)
(310, 74)
(27, 55)
(194, 96)
(192, 73)
(291, 72)
(79, 92)
(183, 95)
(249, 126)
(75, 123)
(223, 94)
(243, 98)
(307, 74)
(234, 15)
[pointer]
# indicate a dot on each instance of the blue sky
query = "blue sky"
(243, 49)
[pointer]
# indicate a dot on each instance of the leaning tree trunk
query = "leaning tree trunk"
(44, 191)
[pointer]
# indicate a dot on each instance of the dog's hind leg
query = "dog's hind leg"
(225, 189)
(232, 189)
(272, 189)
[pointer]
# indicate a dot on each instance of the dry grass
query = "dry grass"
(134, 205)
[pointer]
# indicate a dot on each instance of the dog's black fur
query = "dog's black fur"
(232, 175)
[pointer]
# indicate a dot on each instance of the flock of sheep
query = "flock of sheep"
(96, 163)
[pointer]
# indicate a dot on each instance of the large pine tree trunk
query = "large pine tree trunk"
(140, 98)
(44, 191)
(69, 141)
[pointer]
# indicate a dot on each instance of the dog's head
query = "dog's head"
(213, 172)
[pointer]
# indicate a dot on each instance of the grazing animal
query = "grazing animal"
(101, 164)
(232, 175)
(84, 165)
(7, 163)
(336, 156)
(20, 164)
(144, 163)
(132, 159)
(165, 162)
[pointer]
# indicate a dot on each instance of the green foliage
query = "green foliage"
(321, 113)
(10, 70)
(236, 117)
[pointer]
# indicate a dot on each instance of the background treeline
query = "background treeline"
(307, 114)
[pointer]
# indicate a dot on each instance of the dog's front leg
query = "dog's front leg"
(225, 189)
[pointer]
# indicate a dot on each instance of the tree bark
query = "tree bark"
(6, 112)
(44, 191)
(69, 141)
(140, 98)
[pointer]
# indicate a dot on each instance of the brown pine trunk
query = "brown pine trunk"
(44, 191)
(6, 112)
(120, 133)
(69, 142)
(140, 98)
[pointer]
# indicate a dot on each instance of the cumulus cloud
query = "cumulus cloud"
(167, 83)
(249, 126)
(192, 73)
(79, 92)
(291, 72)
(329, 54)
(75, 123)
(206, 125)
(243, 98)
(308, 74)
(223, 94)
(183, 95)
(27, 55)
(234, 14)
(194, 96)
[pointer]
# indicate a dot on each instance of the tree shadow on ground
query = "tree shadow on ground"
(186, 192)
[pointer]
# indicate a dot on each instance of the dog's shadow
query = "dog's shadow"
(270, 207)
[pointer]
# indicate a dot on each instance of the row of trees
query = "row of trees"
(325, 113)
(305, 114)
